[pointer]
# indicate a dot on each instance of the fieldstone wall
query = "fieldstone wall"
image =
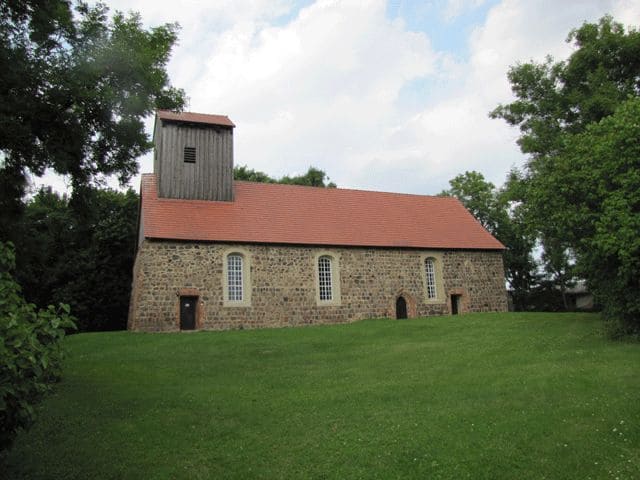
(284, 287)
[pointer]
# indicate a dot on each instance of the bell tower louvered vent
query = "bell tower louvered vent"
(190, 154)
(194, 156)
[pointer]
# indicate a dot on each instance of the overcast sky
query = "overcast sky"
(382, 95)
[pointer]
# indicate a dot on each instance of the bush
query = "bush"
(30, 351)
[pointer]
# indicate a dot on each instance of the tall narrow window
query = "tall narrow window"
(234, 277)
(430, 271)
(324, 278)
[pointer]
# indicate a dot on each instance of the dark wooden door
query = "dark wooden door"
(188, 307)
(455, 301)
(401, 308)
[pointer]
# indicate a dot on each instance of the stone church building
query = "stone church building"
(214, 253)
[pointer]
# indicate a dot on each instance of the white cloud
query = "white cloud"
(313, 90)
(457, 128)
(322, 85)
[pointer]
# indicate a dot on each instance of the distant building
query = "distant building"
(218, 254)
(579, 297)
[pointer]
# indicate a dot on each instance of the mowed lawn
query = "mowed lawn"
(493, 396)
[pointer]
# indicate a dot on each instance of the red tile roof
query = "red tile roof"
(288, 214)
(191, 117)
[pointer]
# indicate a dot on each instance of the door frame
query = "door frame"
(194, 300)
(200, 313)
(463, 300)
(456, 303)
(412, 310)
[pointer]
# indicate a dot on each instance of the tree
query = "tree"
(30, 351)
(594, 186)
(480, 197)
(572, 192)
(74, 89)
(80, 256)
(556, 260)
(250, 175)
(498, 211)
(313, 178)
(558, 98)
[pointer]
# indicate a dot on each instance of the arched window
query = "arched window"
(430, 274)
(234, 277)
(324, 278)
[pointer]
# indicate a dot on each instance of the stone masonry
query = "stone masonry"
(284, 285)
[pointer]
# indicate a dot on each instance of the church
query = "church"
(217, 254)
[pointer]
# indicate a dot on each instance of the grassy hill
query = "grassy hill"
(491, 396)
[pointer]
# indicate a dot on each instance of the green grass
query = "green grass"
(512, 396)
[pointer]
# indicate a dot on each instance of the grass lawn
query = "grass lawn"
(493, 396)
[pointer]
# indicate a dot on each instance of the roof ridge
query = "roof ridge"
(343, 189)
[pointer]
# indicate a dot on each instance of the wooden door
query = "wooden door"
(188, 307)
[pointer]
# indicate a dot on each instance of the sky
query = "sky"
(382, 95)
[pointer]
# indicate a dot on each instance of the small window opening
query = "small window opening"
(189, 154)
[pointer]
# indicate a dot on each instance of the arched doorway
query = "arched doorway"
(401, 308)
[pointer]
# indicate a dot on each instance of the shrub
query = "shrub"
(30, 351)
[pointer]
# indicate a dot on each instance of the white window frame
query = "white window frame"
(235, 277)
(333, 277)
(325, 279)
(230, 297)
(430, 277)
(437, 285)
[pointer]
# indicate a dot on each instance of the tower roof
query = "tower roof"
(191, 117)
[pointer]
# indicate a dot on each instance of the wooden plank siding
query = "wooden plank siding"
(210, 177)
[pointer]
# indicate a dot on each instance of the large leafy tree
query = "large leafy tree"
(594, 187)
(82, 257)
(75, 86)
(570, 191)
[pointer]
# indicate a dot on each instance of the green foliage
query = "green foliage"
(498, 211)
(559, 265)
(595, 184)
(313, 178)
(30, 351)
(75, 88)
(554, 98)
(579, 187)
(247, 174)
(479, 197)
(80, 251)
